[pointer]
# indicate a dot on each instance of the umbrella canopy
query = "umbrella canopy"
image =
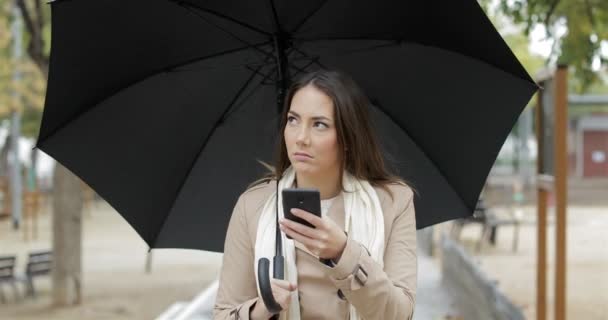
(165, 108)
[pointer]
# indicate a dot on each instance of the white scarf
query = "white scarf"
(363, 220)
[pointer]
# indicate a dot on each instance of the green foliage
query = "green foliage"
(32, 86)
(586, 22)
(519, 44)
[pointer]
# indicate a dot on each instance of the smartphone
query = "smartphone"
(303, 198)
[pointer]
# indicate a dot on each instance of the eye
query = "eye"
(322, 124)
(290, 118)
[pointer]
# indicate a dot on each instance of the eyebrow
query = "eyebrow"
(314, 118)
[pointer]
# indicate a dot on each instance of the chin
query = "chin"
(305, 168)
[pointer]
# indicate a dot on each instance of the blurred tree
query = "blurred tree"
(67, 191)
(30, 89)
(519, 44)
(586, 26)
(32, 86)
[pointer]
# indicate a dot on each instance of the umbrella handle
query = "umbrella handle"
(264, 282)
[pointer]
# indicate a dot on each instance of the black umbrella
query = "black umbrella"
(165, 108)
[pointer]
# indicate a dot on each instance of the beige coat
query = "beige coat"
(376, 293)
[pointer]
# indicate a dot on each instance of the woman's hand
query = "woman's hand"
(281, 291)
(327, 241)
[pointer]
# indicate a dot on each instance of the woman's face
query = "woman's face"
(310, 134)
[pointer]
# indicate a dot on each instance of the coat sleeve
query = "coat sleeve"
(237, 292)
(378, 293)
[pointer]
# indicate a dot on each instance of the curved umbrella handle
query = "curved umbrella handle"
(264, 281)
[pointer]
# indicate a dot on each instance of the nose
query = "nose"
(303, 136)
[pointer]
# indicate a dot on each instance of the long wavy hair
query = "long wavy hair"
(357, 141)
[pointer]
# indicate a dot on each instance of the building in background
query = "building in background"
(591, 140)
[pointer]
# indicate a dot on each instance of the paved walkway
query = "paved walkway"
(432, 300)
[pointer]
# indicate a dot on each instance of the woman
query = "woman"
(359, 262)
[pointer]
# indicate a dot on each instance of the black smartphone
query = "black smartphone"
(305, 199)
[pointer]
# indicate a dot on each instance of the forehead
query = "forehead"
(311, 102)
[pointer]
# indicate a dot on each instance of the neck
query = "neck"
(329, 185)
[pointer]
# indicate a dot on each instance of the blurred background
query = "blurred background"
(536, 247)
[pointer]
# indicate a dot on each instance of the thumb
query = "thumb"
(284, 284)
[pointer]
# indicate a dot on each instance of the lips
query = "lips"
(302, 154)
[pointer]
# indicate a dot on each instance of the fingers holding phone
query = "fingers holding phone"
(303, 223)
(308, 200)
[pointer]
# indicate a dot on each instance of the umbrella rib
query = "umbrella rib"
(166, 69)
(275, 17)
(249, 66)
(388, 115)
(256, 71)
(303, 69)
(220, 15)
(264, 78)
(191, 9)
(312, 13)
(312, 59)
(237, 107)
(227, 111)
(399, 41)
(217, 123)
(359, 50)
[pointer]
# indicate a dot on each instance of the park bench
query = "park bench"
(490, 222)
(38, 264)
(7, 276)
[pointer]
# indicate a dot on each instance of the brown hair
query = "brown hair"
(363, 158)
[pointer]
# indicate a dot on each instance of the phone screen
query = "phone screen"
(305, 199)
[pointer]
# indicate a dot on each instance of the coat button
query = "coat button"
(341, 295)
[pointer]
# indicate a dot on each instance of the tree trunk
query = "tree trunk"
(32, 176)
(67, 238)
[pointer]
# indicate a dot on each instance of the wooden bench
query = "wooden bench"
(7, 276)
(490, 222)
(38, 264)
